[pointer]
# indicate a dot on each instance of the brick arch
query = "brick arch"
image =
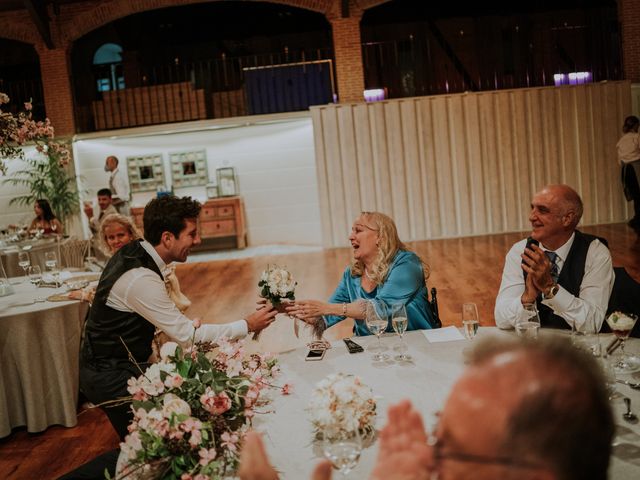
(82, 20)
(18, 26)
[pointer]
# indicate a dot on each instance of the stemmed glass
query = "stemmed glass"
(399, 323)
(377, 320)
(24, 261)
(621, 325)
(35, 275)
(51, 262)
(342, 449)
(470, 320)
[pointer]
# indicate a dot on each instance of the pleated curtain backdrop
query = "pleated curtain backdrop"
(468, 164)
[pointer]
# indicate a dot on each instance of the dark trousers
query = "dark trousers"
(630, 181)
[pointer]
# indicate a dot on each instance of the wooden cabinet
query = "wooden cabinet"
(219, 217)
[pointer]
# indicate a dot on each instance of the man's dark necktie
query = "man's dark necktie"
(554, 266)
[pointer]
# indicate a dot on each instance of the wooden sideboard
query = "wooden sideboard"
(219, 217)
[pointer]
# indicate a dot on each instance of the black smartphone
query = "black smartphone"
(314, 355)
(530, 241)
(352, 346)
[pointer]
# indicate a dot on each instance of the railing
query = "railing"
(218, 88)
(24, 90)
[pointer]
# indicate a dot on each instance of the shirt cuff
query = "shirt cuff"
(561, 302)
(239, 329)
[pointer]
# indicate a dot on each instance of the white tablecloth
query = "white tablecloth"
(427, 381)
(36, 250)
(39, 358)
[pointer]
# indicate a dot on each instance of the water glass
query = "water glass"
(470, 320)
(528, 326)
(586, 337)
(51, 262)
(377, 320)
(35, 275)
(342, 449)
(24, 261)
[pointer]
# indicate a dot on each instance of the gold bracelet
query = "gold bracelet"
(344, 309)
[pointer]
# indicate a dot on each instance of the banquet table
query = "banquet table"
(39, 358)
(35, 248)
(426, 381)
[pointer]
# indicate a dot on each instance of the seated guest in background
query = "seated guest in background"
(383, 270)
(131, 300)
(522, 410)
(569, 274)
(106, 208)
(45, 219)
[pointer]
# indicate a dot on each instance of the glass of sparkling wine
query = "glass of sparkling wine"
(399, 323)
(376, 319)
(51, 262)
(470, 320)
(529, 326)
(24, 261)
(342, 449)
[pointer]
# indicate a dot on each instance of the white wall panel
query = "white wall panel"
(468, 164)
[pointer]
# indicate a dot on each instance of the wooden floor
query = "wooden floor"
(463, 270)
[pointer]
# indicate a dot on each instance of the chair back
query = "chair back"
(625, 297)
(74, 251)
(433, 303)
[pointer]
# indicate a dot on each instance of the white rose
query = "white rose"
(168, 349)
(174, 404)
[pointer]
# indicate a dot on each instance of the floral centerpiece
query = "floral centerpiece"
(192, 410)
(341, 402)
(277, 284)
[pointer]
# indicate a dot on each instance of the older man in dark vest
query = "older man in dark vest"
(566, 272)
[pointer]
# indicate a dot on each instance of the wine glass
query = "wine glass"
(470, 320)
(35, 275)
(621, 325)
(24, 261)
(51, 262)
(528, 327)
(342, 448)
(399, 323)
(376, 319)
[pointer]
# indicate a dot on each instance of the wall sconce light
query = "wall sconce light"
(374, 95)
(573, 78)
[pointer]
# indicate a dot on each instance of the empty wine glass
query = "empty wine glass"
(528, 327)
(621, 325)
(377, 320)
(470, 320)
(399, 322)
(24, 261)
(51, 262)
(342, 448)
(35, 275)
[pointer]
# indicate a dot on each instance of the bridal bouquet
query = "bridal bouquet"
(341, 402)
(276, 285)
(192, 410)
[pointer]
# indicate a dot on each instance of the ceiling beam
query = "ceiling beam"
(38, 11)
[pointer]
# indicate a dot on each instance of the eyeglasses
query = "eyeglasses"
(440, 454)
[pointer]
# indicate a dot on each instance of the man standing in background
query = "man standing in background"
(118, 185)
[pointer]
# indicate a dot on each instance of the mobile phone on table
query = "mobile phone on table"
(314, 355)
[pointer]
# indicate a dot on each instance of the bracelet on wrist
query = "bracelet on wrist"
(344, 309)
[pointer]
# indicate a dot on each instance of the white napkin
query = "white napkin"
(444, 334)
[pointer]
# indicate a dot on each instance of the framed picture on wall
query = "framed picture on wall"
(146, 172)
(189, 169)
(227, 185)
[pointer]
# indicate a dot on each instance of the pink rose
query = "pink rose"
(215, 404)
(196, 323)
(286, 389)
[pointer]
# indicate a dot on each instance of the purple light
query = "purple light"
(573, 78)
(374, 95)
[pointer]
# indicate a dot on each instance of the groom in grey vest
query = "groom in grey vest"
(566, 272)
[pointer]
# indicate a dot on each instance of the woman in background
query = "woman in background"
(45, 219)
(629, 158)
(383, 270)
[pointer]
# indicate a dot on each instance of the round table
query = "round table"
(36, 250)
(426, 381)
(39, 358)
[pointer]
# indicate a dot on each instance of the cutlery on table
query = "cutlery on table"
(629, 416)
(634, 385)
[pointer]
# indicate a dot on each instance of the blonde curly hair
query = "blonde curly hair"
(388, 246)
(123, 221)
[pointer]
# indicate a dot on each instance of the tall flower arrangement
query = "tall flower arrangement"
(192, 410)
(46, 175)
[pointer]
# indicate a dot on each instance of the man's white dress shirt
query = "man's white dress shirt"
(142, 291)
(589, 306)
